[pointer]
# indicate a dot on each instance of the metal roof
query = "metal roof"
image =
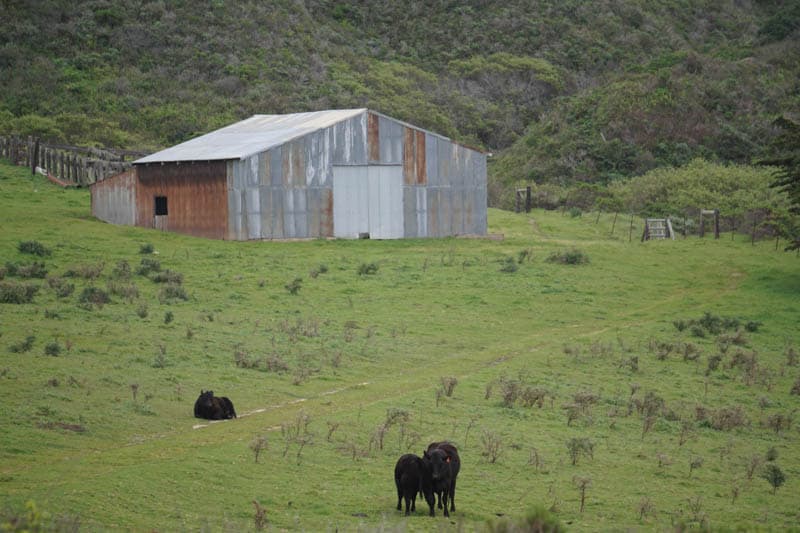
(250, 136)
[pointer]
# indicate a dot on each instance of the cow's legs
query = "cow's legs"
(453, 496)
(444, 501)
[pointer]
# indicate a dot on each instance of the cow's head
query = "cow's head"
(206, 398)
(438, 463)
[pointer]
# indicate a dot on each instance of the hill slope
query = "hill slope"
(582, 91)
(661, 372)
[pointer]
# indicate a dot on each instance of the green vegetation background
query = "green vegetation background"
(340, 373)
(560, 91)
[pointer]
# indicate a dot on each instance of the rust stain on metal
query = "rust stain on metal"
(414, 172)
(196, 196)
(409, 157)
(422, 175)
(326, 221)
(373, 138)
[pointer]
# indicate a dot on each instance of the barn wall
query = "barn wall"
(444, 183)
(196, 197)
(114, 198)
(286, 192)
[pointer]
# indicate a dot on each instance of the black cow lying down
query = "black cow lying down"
(213, 407)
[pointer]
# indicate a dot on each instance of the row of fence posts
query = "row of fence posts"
(72, 165)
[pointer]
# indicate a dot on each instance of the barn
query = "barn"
(351, 173)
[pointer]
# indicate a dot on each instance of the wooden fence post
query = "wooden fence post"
(630, 230)
(528, 199)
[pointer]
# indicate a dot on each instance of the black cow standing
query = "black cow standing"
(409, 474)
(213, 407)
(442, 465)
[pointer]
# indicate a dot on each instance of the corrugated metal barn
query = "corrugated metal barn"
(346, 173)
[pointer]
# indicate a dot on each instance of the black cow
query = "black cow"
(442, 465)
(409, 473)
(213, 407)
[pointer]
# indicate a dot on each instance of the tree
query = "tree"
(786, 148)
(774, 475)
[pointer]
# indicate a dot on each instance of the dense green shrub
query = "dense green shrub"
(34, 248)
(53, 348)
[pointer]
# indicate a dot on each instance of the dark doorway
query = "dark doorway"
(161, 206)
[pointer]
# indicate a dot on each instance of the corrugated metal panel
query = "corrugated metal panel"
(385, 202)
(196, 197)
(250, 136)
(390, 134)
(368, 199)
(114, 198)
(350, 201)
(432, 159)
(373, 138)
(415, 212)
(350, 141)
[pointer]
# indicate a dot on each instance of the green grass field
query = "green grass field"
(345, 375)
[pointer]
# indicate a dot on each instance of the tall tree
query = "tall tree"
(786, 150)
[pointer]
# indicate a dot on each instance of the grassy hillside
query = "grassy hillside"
(573, 91)
(667, 425)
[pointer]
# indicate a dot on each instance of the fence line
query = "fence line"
(70, 165)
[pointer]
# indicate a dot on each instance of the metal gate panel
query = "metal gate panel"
(386, 202)
(350, 201)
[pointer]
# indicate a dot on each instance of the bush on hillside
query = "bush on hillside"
(17, 293)
(34, 248)
(573, 256)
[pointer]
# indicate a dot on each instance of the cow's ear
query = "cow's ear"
(447, 460)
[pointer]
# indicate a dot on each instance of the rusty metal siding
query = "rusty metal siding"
(114, 198)
(196, 197)
(290, 190)
(373, 138)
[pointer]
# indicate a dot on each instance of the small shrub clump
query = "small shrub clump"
(122, 271)
(573, 256)
(146, 248)
(171, 293)
(31, 270)
(34, 248)
(294, 286)
(94, 296)
(148, 266)
(17, 293)
(367, 269)
(167, 276)
(53, 349)
(508, 265)
(62, 288)
(23, 346)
